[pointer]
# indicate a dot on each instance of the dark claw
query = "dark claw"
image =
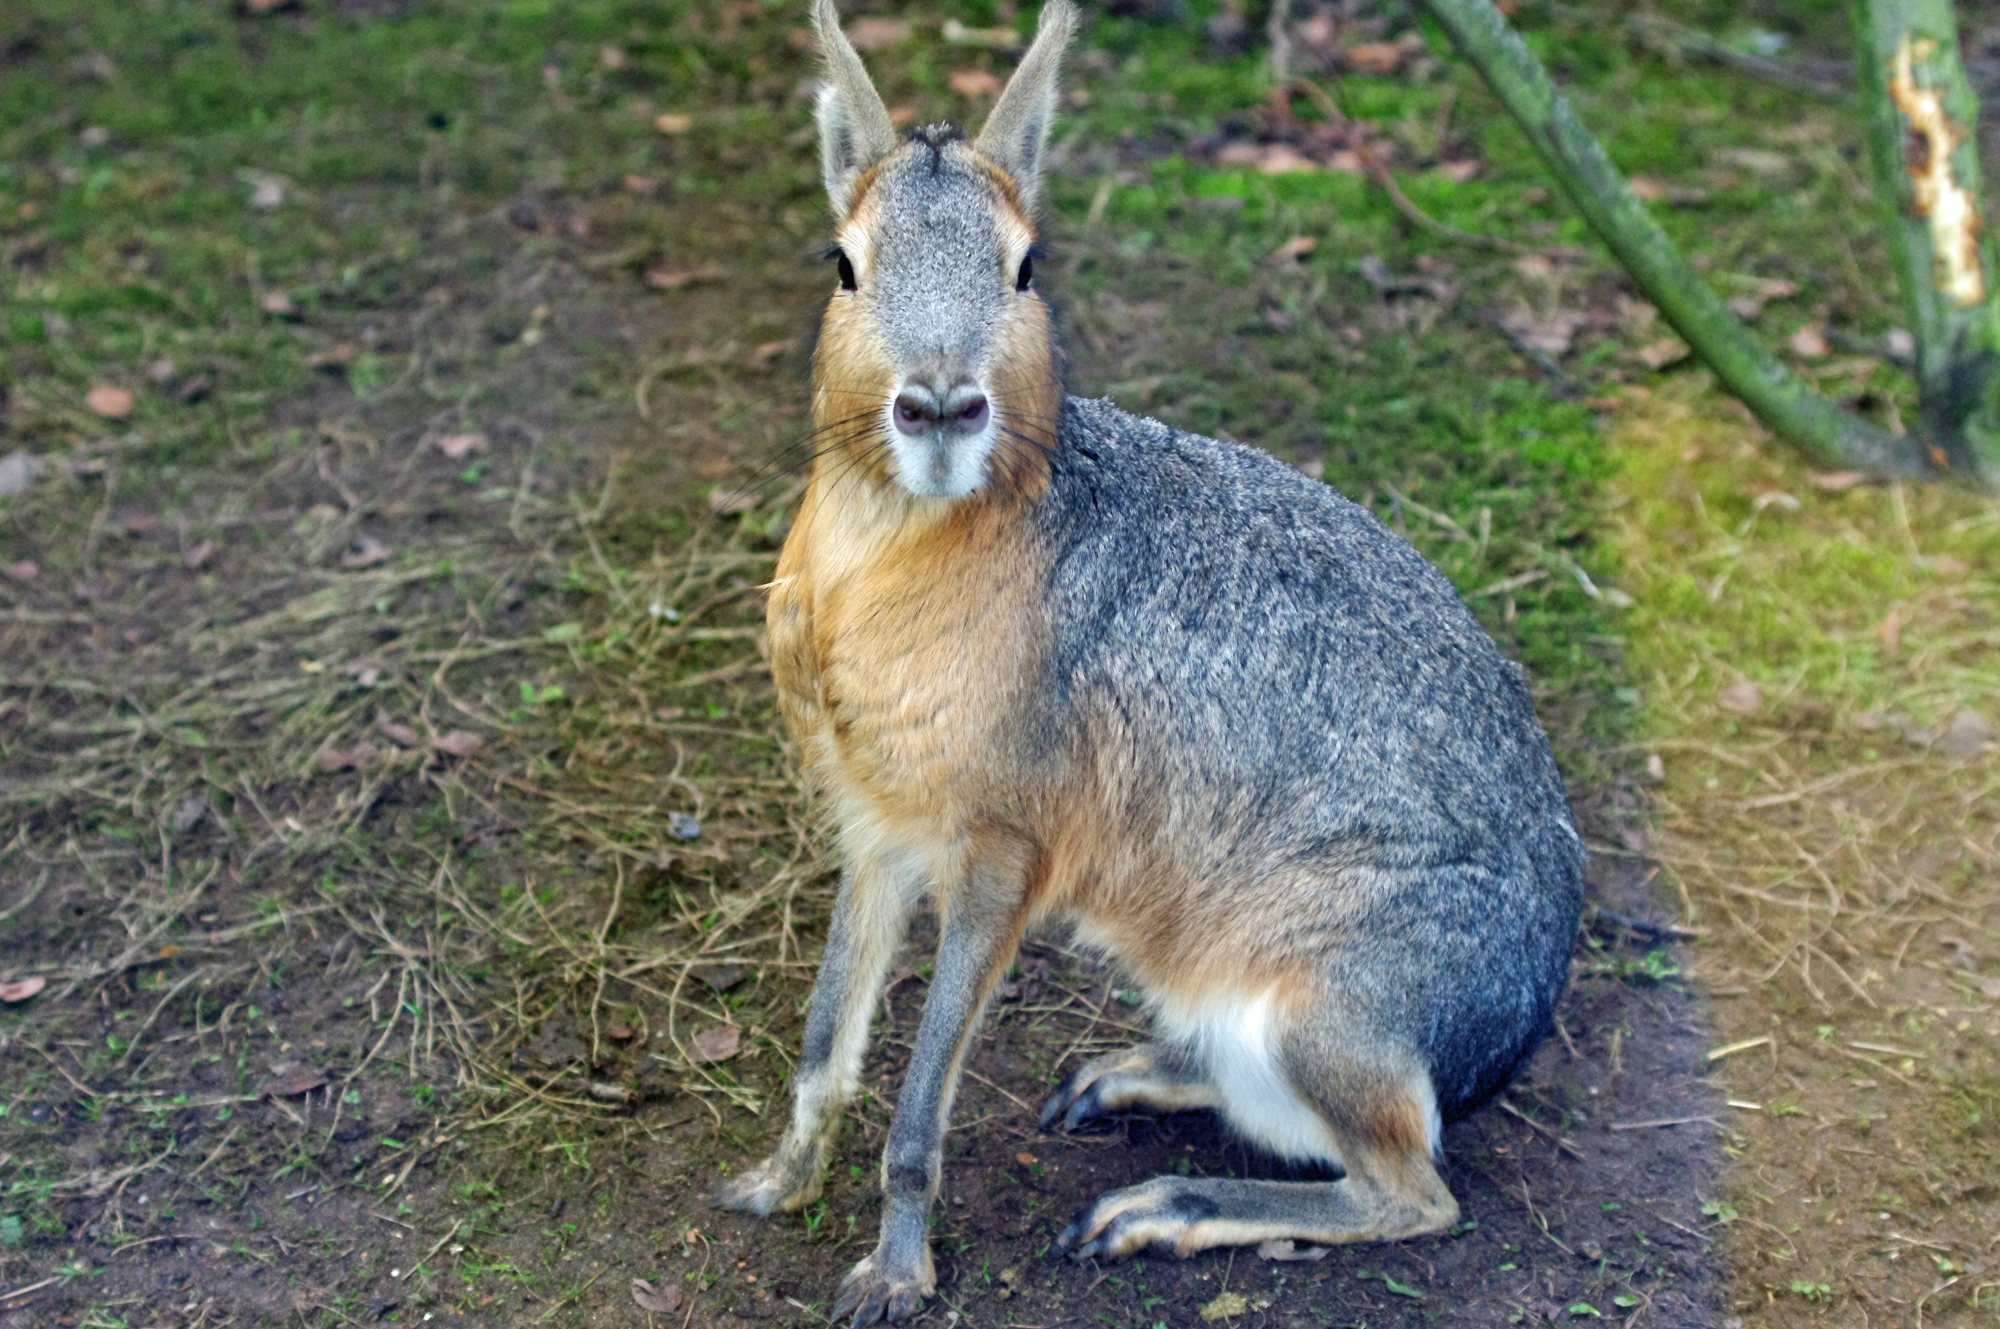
(1087, 1107)
(1059, 1101)
(849, 1302)
(868, 1297)
(1074, 1106)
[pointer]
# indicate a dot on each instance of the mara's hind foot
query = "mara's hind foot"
(1152, 1075)
(1189, 1214)
(788, 1180)
(1378, 1126)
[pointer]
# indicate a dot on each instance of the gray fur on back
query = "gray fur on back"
(1298, 683)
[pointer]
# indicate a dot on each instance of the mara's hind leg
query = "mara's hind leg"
(1152, 1075)
(1373, 1110)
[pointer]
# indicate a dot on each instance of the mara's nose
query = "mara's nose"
(920, 410)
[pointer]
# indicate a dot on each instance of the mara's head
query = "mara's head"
(936, 369)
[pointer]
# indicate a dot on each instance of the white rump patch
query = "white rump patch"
(1233, 1039)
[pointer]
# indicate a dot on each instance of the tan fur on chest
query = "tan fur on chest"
(903, 634)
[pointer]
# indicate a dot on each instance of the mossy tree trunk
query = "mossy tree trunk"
(1921, 117)
(1959, 347)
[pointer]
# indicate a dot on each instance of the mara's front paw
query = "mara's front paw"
(769, 1188)
(877, 1289)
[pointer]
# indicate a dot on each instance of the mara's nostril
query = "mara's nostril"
(971, 416)
(915, 414)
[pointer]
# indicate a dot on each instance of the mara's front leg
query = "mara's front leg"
(981, 927)
(869, 917)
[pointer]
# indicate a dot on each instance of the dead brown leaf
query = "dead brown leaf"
(974, 83)
(1750, 305)
(1551, 332)
(109, 402)
(718, 1044)
(400, 734)
(671, 123)
(456, 446)
(25, 570)
(1648, 190)
(458, 743)
(1808, 342)
(1890, 631)
(1294, 249)
(291, 1078)
(1270, 158)
(330, 759)
(1835, 482)
(1742, 696)
(198, 555)
(1660, 354)
(277, 303)
(721, 977)
(661, 1300)
(21, 989)
(1381, 59)
(672, 279)
(366, 552)
(877, 34)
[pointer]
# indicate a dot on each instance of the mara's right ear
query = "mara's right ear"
(854, 128)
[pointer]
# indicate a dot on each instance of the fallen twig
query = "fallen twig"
(1560, 1141)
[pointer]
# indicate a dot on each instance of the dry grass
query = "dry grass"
(1837, 841)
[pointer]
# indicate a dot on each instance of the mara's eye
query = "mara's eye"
(845, 268)
(1027, 273)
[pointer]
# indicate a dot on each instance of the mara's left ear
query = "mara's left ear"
(1016, 132)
